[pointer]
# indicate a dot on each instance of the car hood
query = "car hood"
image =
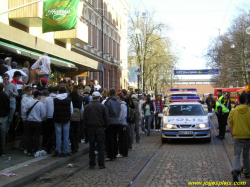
(185, 119)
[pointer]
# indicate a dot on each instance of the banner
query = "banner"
(197, 72)
(132, 74)
(59, 15)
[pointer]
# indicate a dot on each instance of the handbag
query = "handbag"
(28, 112)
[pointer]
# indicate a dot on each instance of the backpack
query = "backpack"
(130, 115)
(86, 100)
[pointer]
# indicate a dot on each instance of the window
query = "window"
(108, 11)
(97, 4)
(108, 44)
(98, 76)
(116, 55)
(92, 35)
(91, 76)
(97, 38)
(91, 2)
(112, 47)
(86, 14)
(103, 78)
(108, 79)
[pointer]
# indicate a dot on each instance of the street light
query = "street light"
(138, 51)
(138, 73)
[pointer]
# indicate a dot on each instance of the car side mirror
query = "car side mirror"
(160, 115)
(210, 114)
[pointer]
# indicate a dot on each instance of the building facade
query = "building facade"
(98, 44)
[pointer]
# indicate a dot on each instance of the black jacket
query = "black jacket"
(5, 104)
(62, 112)
(208, 100)
(227, 103)
(3, 69)
(76, 100)
(95, 115)
(129, 102)
(152, 109)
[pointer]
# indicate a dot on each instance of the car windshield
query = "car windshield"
(185, 110)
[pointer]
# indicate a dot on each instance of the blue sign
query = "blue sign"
(197, 72)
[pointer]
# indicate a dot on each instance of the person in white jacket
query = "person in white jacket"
(49, 134)
(25, 99)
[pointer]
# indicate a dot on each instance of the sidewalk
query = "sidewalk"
(29, 168)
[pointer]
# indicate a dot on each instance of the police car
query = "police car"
(182, 120)
(183, 94)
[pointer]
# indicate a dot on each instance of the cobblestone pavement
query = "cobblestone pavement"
(177, 163)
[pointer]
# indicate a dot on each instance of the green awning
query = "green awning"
(33, 55)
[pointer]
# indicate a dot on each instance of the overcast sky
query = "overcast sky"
(193, 24)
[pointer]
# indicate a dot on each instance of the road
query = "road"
(151, 164)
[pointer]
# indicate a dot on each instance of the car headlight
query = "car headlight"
(202, 125)
(168, 126)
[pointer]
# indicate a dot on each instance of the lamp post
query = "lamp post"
(139, 55)
(138, 73)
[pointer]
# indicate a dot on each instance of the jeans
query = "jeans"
(2, 135)
(111, 141)
(24, 141)
(137, 133)
(157, 121)
(142, 125)
(130, 129)
(240, 144)
(123, 140)
(62, 128)
(34, 132)
(74, 135)
(9, 118)
(96, 135)
(148, 121)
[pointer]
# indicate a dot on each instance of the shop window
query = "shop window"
(91, 76)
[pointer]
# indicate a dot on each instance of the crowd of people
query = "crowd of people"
(64, 115)
(239, 126)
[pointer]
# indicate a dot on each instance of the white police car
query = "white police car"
(185, 120)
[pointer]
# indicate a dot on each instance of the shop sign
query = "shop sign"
(77, 74)
(59, 15)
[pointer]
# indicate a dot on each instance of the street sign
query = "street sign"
(77, 74)
(197, 72)
(248, 30)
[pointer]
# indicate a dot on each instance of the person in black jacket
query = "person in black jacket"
(96, 118)
(75, 119)
(208, 100)
(148, 109)
(4, 111)
(3, 69)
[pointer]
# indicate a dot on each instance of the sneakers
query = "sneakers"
(236, 175)
(108, 159)
(25, 151)
(96, 152)
(82, 141)
(37, 154)
(247, 175)
(119, 156)
(29, 154)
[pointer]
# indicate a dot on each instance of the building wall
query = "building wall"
(201, 88)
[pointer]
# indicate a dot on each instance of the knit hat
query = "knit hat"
(13, 65)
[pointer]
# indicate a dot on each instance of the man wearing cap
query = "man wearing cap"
(13, 70)
(7, 61)
(4, 110)
(35, 118)
(43, 83)
(3, 69)
(97, 120)
(11, 91)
